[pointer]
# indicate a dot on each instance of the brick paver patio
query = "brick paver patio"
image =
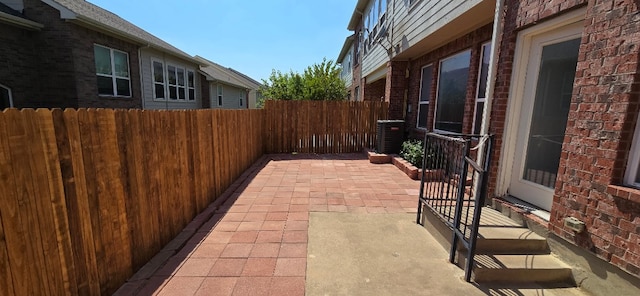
(256, 243)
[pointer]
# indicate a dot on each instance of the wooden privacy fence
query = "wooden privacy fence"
(89, 196)
(321, 126)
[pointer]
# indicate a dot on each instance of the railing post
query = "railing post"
(462, 178)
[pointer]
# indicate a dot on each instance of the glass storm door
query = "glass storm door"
(547, 91)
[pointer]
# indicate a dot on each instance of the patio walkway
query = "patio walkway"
(261, 242)
(256, 243)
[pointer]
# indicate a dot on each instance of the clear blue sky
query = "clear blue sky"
(252, 36)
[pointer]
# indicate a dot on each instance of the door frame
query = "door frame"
(516, 91)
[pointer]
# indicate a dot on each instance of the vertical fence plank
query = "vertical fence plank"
(72, 166)
(35, 280)
(14, 260)
(55, 202)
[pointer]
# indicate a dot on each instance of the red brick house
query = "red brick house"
(66, 53)
(556, 82)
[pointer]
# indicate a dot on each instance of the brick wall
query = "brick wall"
(396, 84)
(518, 15)
(64, 74)
(374, 91)
(473, 41)
(18, 64)
(602, 117)
(83, 40)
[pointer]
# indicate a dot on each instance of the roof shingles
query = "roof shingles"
(102, 17)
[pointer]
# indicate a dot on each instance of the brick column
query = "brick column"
(396, 84)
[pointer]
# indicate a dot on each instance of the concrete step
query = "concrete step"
(510, 240)
(521, 269)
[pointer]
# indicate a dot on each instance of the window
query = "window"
(426, 80)
(220, 94)
(633, 167)
(452, 91)
(112, 70)
(6, 101)
(241, 97)
(177, 83)
(481, 92)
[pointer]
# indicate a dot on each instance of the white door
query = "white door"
(546, 97)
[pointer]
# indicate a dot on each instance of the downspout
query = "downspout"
(143, 97)
(491, 74)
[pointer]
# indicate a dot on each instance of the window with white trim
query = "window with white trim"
(632, 176)
(452, 92)
(220, 90)
(241, 97)
(112, 71)
(426, 80)
(6, 101)
(481, 92)
(174, 83)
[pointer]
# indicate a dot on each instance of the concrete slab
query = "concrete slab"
(387, 254)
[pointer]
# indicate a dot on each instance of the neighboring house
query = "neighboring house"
(345, 59)
(254, 86)
(558, 91)
(73, 54)
(228, 88)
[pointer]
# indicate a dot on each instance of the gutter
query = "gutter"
(20, 22)
(491, 74)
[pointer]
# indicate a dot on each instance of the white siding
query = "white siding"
(146, 55)
(409, 24)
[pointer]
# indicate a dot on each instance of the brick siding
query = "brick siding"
(55, 67)
(603, 112)
(473, 41)
(17, 64)
(602, 117)
(374, 91)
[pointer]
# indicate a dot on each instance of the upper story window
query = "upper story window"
(426, 80)
(173, 82)
(481, 92)
(632, 176)
(112, 70)
(6, 101)
(452, 92)
(373, 22)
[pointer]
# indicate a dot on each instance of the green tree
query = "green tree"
(318, 82)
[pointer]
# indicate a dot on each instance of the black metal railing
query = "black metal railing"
(454, 185)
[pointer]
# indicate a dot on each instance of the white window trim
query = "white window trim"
(164, 80)
(113, 75)
(435, 113)
(10, 95)
(420, 99)
(165, 73)
(633, 164)
(478, 99)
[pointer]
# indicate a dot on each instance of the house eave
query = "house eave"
(81, 20)
(20, 22)
(357, 14)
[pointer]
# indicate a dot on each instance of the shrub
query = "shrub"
(412, 152)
